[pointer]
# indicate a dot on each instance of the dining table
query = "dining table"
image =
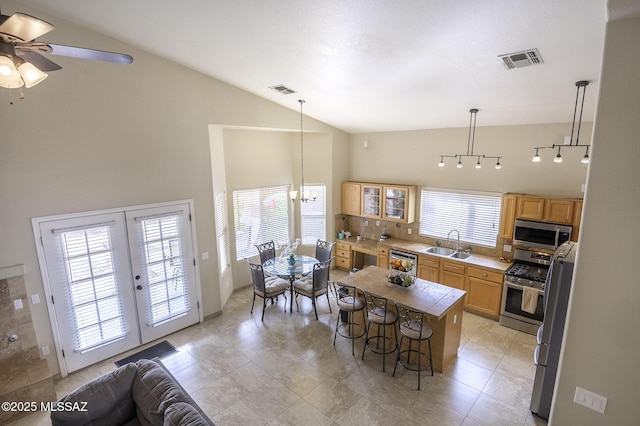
(283, 268)
(442, 305)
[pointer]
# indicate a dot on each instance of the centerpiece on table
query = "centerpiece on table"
(400, 272)
(289, 252)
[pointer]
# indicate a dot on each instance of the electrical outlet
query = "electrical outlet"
(590, 400)
(378, 222)
(17, 304)
(506, 248)
(35, 299)
(366, 223)
(204, 255)
(45, 350)
(409, 231)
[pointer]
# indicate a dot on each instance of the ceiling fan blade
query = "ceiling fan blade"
(82, 53)
(39, 61)
(24, 28)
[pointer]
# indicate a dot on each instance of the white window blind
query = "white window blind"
(313, 217)
(165, 265)
(260, 215)
(222, 231)
(92, 285)
(476, 215)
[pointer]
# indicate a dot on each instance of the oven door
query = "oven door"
(512, 305)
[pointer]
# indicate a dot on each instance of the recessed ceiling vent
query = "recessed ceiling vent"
(282, 89)
(526, 58)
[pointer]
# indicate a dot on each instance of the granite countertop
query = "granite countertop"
(371, 247)
(436, 300)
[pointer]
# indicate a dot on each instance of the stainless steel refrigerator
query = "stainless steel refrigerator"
(547, 352)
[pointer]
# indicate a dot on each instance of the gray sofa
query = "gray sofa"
(140, 393)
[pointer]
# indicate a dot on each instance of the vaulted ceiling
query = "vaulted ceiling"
(371, 65)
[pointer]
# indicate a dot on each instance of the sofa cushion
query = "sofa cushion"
(108, 400)
(183, 414)
(153, 392)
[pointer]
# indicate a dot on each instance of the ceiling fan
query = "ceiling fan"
(21, 62)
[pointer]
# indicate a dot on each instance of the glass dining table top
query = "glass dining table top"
(281, 267)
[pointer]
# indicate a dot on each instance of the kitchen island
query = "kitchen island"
(443, 306)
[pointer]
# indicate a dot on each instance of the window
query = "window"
(476, 215)
(260, 215)
(313, 218)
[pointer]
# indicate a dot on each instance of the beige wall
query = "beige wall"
(602, 342)
(98, 135)
(412, 158)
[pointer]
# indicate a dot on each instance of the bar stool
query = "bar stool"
(413, 327)
(379, 314)
(349, 303)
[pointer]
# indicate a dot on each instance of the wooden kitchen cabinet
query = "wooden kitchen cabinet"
(484, 291)
(507, 215)
(371, 196)
(577, 218)
(558, 211)
(351, 198)
(452, 274)
(383, 256)
(343, 256)
(399, 203)
(429, 268)
(531, 208)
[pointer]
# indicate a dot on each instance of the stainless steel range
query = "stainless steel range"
(527, 275)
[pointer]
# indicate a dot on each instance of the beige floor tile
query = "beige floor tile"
(286, 370)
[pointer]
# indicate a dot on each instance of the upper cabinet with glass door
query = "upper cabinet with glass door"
(371, 201)
(399, 203)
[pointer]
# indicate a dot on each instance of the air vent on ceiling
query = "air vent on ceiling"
(282, 89)
(526, 58)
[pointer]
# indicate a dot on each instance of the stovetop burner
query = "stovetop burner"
(529, 272)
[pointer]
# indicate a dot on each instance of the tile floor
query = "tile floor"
(286, 370)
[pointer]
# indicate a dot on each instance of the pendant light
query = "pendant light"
(558, 158)
(470, 146)
(304, 194)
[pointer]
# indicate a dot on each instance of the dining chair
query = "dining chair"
(314, 284)
(349, 303)
(266, 250)
(323, 250)
(381, 316)
(267, 287)
(415, 329)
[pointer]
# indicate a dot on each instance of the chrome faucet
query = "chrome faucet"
(458, 241)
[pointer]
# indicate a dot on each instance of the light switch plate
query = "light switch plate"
(35, 299)
(590, 400)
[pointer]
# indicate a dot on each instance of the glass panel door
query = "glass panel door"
(371, 200)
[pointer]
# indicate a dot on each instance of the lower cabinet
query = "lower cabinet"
(484, 291)
(343, 256)
(383, 257)
(428, 268)
(452, 274)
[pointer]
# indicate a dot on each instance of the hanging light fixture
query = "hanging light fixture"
(558, 158)
(304, 194)
(470, 146)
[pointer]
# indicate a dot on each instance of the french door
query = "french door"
(117, 279)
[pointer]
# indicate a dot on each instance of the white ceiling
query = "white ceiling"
(372, 65)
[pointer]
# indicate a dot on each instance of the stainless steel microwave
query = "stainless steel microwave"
(541, 235)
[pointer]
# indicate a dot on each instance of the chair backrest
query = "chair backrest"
(346, 295)
(266, 250)
(375, 304)
(321, 275)
(257, 274)
(408, 316)
(323, 250)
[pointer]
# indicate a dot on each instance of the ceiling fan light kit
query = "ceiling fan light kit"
(21, 60)
(582, 84)
(470, 146)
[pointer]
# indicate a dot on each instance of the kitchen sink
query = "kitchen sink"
(447, 252)
(442, 251)
(460, 255)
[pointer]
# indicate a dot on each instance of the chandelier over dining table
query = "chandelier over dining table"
(304, 194)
